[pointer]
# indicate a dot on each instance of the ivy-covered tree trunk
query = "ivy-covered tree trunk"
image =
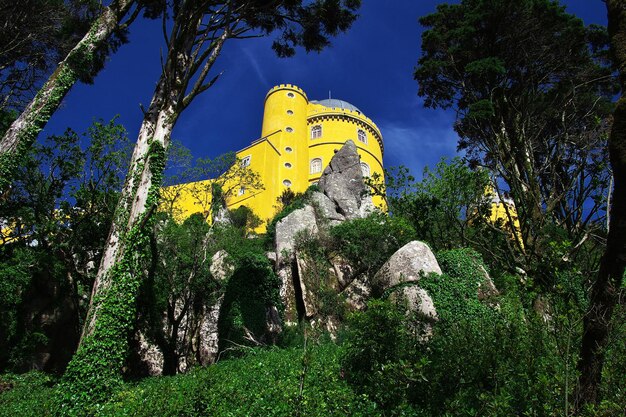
(97, 365)
(24, 130)
(606, 289)
(199, 30)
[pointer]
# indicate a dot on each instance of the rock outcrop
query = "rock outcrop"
(342, 182)
(299, 221)
(407, 264)
(208, 336)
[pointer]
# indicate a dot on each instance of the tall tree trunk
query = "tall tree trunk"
(97, 365)
(24, 130)
(605, 290)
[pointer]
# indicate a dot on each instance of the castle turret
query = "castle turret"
(285, 120)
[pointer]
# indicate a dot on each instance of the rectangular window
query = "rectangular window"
(245, 162)
(361, 135)
(316, 132)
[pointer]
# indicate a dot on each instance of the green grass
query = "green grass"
(262, 383)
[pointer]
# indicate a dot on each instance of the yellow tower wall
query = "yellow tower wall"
(285, 150)
(338, 126)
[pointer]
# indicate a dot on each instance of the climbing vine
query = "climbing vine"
(95, 371)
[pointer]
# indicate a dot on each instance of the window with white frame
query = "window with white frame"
(242, 191)
(361, 135)
(316, 132)
(316, 165)
(365, 169)
(245, 161)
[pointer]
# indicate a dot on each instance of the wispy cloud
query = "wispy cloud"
(254, 63)
(417, 147)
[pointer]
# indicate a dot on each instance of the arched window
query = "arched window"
(361, 135)
(316, 165)
(287, 183)
(316, 132)
(365, 169)
(289, 129)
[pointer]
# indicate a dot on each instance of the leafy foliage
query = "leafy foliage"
(264, 382)
(533, 114)
(55, 221)
(380, 353)
(367, 243)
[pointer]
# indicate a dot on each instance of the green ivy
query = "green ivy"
(95, 370)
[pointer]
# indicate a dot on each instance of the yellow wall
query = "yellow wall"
(284, 152)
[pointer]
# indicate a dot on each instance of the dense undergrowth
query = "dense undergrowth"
(270, 382)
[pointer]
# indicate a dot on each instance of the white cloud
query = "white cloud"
(417, 147)
(254, 63)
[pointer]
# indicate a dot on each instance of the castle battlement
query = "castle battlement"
(292, 87)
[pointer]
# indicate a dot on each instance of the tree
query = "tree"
(608, 285)
(35, 35)
(200, 180)
(81, 63)
(198, 32)
(57, 219)
(532, 112)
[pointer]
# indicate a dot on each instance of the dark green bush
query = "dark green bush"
(380, 355)
(368, 243)
(27, 395)
(263, 383)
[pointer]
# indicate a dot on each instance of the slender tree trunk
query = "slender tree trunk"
(132, 210)
(96, 368)
(24, 130)
(606, 288)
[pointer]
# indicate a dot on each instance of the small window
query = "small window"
(290, 95)
(245, 162)
(287, 183)
(288, 149)
(289, 129)
(316, 132)
(365, 169)
(289, 112)
(316, 166)
(361, 135)
(287, 165)
(242, 191)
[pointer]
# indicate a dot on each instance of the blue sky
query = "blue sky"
(370, 66)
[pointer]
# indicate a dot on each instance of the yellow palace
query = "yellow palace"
(298, 138)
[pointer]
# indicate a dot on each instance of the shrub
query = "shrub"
(263, 383)
(26, 395)
(367, 243)
(380, 354)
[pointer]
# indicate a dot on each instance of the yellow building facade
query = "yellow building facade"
(298, 139)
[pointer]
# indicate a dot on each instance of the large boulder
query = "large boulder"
(287, 228)
(342, 181)
(299, 221)
(407, 264)
(208, 338)
(326, 208)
